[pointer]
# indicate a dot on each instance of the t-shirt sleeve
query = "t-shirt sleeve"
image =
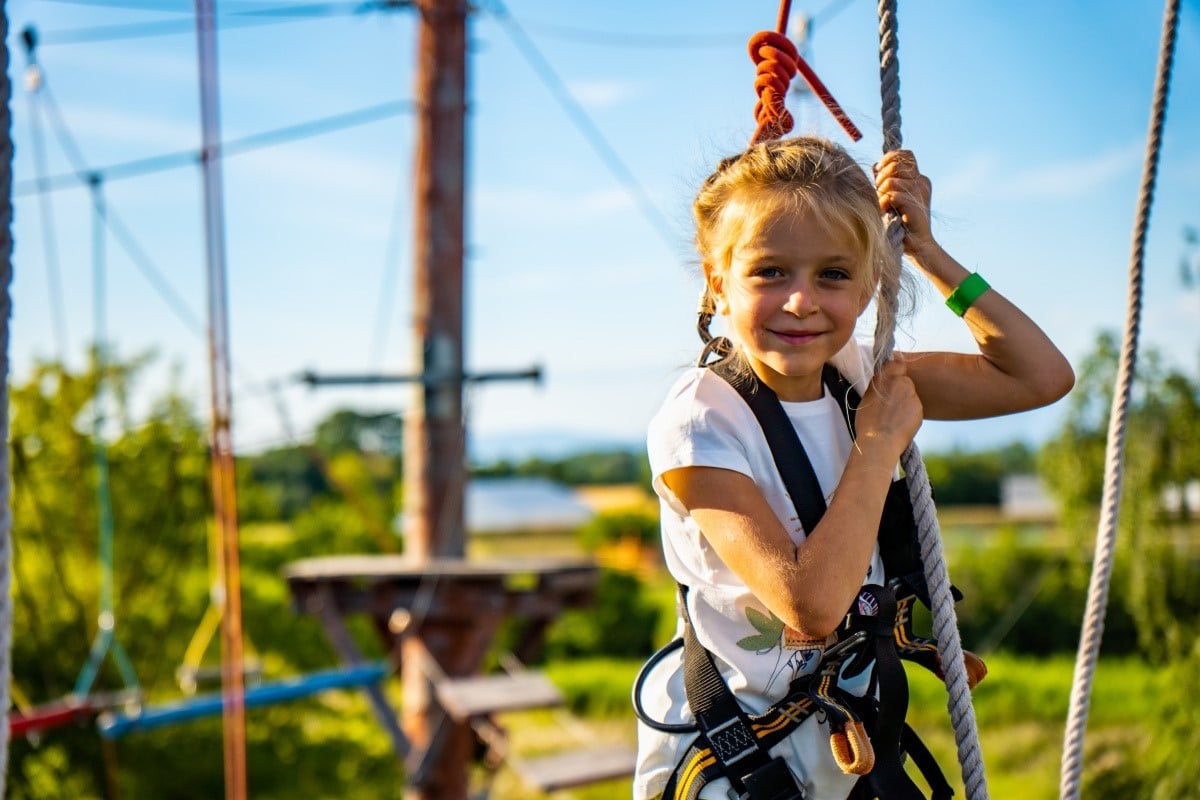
(698, 426)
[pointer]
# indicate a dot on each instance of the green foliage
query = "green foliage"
(349, 431)
(1025, 596)
(329, 527)
(968, 477)
(614, 526)
(594, 468)
(1158, 588)
(158, 483)
(596, 686)
(621, 622)
(1162, 451)
(355, 456)
(279, 483)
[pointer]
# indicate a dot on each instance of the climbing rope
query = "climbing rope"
(105, 642)
(6, 611)
(945, 620)
(778, 61)
(1102, 559)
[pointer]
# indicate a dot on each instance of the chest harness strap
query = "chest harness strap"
(876, 634)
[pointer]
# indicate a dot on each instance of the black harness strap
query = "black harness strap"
(790, 458)
(731, 743)
(728, 740)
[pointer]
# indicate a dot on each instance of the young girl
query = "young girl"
(792, 245)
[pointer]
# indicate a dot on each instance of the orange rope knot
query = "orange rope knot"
(776, 59)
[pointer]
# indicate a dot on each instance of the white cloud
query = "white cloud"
(598, 94)
(968, 177)
(549, 206)
(1078, 177)
(140, 129)
(980, 174)
(321, 172)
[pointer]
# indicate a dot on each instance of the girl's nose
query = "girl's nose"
(801, 301)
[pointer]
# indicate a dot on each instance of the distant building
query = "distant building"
(1176, 498)
(1025, 497)
(497, 505)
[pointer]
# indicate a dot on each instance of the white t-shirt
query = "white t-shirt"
(704, 422)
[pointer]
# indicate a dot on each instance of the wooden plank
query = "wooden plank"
(464, 698)
(578, 767)
(405, 569)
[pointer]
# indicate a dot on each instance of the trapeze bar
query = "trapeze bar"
(70, 709)
(114, 726)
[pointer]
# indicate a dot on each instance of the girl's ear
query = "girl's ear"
(716, 288)
(865, 299)
(867, 296)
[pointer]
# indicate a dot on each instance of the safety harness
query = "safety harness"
(869, 736)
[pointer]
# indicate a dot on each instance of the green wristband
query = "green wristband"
(966, 293)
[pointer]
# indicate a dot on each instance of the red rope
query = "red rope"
(777, 62)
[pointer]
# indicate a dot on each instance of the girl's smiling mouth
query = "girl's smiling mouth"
(797, 337)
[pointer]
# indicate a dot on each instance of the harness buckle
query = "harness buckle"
(731, 741)
(772, 781)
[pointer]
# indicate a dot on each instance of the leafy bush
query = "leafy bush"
(1029, 597)
(621, 622)
(608, 527)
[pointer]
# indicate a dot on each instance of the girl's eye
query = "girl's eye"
(835, 274)
(768, 272)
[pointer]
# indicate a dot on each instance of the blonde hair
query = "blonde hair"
(816, 175)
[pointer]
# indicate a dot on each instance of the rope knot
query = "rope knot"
(776, 59)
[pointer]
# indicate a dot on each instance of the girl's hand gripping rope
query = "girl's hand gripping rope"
(903, 189)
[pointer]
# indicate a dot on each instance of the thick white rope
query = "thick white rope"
(6, 611)
(945, 620)
(1106, 535)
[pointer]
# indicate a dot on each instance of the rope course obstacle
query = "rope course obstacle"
(84, 703)
(114, 725)
(123, 712)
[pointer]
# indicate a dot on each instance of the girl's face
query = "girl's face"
(792, 292)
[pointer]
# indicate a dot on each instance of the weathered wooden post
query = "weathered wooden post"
(435, 447)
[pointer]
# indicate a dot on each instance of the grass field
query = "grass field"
(1020, 708)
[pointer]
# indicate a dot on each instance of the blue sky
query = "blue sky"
(1029, 117)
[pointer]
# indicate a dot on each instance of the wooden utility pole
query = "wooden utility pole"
(224, 488)
(434, 436)
(435, 446)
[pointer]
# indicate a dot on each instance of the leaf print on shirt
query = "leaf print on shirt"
(770, 631)
(797, 655)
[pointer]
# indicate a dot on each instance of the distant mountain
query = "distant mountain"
(484, 448)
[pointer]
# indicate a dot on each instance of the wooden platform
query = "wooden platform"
(578, 767)
(437, 620)
(465, 698)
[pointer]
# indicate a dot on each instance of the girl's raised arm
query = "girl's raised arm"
(1017, 368)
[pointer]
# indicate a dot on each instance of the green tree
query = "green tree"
(613, 526)
(1162, 453)
(973, 477)
(157, 485)
(1157, 547)
(600, 467)
(354, 431)
(289, 477)
(158, 468)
